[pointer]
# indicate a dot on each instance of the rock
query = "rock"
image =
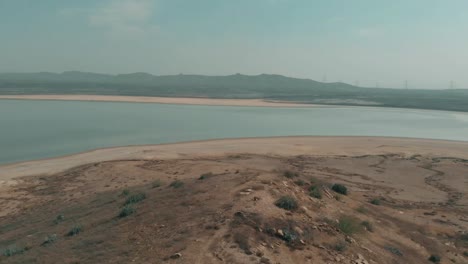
(176, 256)
(298, 230)
(280, 233)
(350, 240)
(244, 193)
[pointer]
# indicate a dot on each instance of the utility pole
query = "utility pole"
(452, 85)
(324, 79)
(406, 84)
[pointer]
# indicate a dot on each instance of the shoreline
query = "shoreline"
(160, 100)
(280, 146)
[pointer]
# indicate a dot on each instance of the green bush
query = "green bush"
(349, 225)
(339, 188)
(135, 198)
(13, 250)
(59, 218)
(465, 253)
(287, 203)
(290, 174)
(434, 258)
(340, 246)
(126, 211)
(75, 230)
(49, 239)
(125, 192)
(375, 201)
(315, 192)
(176, 184)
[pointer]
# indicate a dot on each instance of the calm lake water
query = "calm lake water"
(43, 129)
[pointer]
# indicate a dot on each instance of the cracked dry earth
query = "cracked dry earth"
(398, 210)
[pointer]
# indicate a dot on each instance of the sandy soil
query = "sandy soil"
(215, 202)
(160, 100)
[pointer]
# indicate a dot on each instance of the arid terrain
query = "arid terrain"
(276, 200)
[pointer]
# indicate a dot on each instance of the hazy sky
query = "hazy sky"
(370, 41)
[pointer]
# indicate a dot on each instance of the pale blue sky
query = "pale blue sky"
(370, 41)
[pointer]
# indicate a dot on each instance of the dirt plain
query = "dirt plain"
(401, 207)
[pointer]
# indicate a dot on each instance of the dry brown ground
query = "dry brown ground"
(230, 216)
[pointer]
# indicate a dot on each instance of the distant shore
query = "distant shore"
(160, 100)
(282, 146)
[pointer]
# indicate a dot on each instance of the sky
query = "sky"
(366, 42)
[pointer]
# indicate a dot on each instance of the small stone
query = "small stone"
(298, 230)
(176, 256)
(280, 233)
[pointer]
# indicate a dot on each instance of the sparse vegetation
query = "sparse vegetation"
(375, 201)
(361, 209)
(135, 198)
(125, 192)
(49, 239)
(176, 184)
(126, 211)
(13, 250)
(339, 188)
(300, 182)
(156, 184)
(75, 230)
(290, 174)
(205, 176)
(349, 225)
(434, 258)
(242, 240)
(393, 250)
(59, 218)
(368, 225)
(340, 246)
(465, 253)
(316, 192)
(287, 203)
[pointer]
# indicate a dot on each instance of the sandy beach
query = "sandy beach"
(160, 100)
(283, 146)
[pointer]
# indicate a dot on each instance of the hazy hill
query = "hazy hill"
(266, 86)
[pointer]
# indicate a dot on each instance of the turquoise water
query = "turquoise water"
(43, 129)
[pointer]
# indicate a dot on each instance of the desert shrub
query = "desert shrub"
(375, 201)
(361, 209)
(315, 192)
(393, 250)
(176, 184)
(242, 240)
(205, 176)
(300, 183)
(287, 203)
(340, 246)
(434, 258)
(125, 192)
(59, 218)
(465, 253)
(156, 184)
(49, 239)
(340, 188)
(135, 198)
(349, 225)
(13, 250)
(290, 174)
(368, 225)
(126, 211)
(75, 230)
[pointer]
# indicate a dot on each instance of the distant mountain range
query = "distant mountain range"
(264, 86)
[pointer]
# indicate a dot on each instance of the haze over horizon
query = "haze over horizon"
(361, 42)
